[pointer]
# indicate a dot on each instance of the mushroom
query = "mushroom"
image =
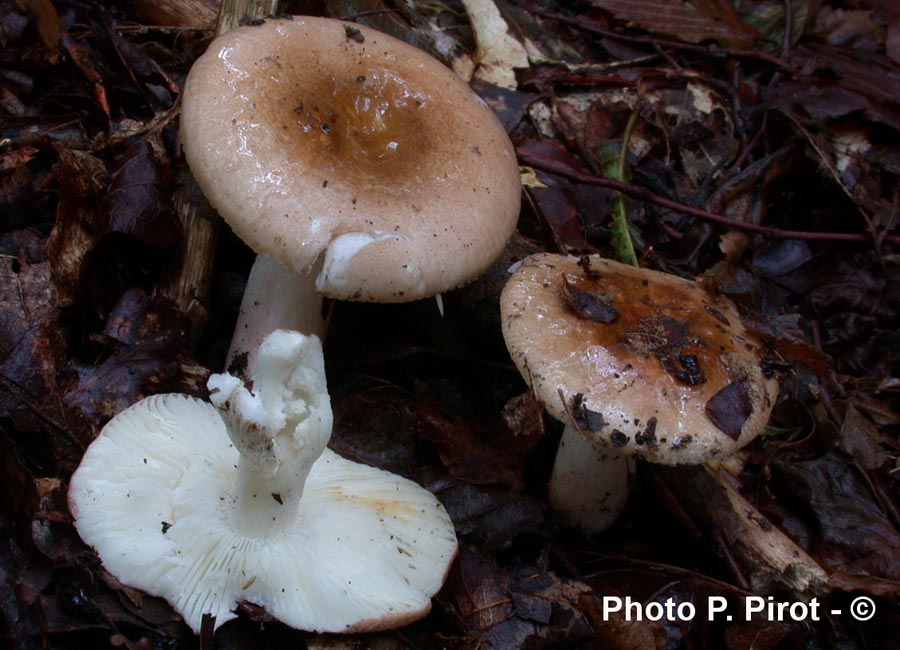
(352, 159)
(637, 363)
(209, 506)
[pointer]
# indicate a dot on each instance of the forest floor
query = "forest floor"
(761, 153)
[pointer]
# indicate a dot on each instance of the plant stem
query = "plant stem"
(621, 235)
(642, 194)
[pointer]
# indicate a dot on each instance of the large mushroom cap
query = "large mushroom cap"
(314, 136)
(645, 362)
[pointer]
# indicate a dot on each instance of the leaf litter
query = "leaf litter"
(761, 156)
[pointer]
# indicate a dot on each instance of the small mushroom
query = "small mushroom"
(637, 363)
(349, 158)
(210, 506)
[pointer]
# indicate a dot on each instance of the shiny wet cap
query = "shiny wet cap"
(316, 138)
(644, 362)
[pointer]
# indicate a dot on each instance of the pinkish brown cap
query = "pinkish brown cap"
(644, 362)
(321, 139)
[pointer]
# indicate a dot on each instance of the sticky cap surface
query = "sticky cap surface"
(645, 362)
(315, 137)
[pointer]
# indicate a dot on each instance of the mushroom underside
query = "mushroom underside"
(367, 550)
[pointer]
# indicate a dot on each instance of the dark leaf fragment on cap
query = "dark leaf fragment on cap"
(354, 34)
(691, 373)
(648, 435)
(618, 438)
(730, 407)
(585, 418)
(588, 305)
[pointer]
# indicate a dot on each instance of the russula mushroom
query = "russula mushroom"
(350, 157)
(207, 506)
(637, 363)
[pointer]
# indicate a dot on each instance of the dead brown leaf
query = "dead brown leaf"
(476, 446)
(48, 24)
(14, 158)
(144, 340)
(851, 533)
(852, 28)
(708, 20)
(137, 202)
(508, 608)
(31, 344)
(863, 440)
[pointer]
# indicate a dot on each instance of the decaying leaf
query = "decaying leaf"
(490, 516)
(693, 22)
(474, 446)
(48, 24)
(136, 202)
(851, 533)
(854, 28)
(586, 419)
(863, 440)
(145, 340)
(730, 407)
(588, 305)
(514, 608)
(31, 345)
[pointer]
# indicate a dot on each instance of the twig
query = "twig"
(665, 569)
(766, 558)
(734, 566)
(189, 287)
(711, 50)
(643, 194)
(366, 14)
(788, 27)
(745, 154)
(38, 411)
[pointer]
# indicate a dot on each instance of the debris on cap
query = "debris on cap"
(646, 363)
(322, 140)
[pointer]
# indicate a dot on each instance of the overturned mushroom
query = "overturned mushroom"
(209, 506)
(350, 158)
(636, 363)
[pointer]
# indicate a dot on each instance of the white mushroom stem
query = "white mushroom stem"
(275, 298)
(279, 430)
(589, 484)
